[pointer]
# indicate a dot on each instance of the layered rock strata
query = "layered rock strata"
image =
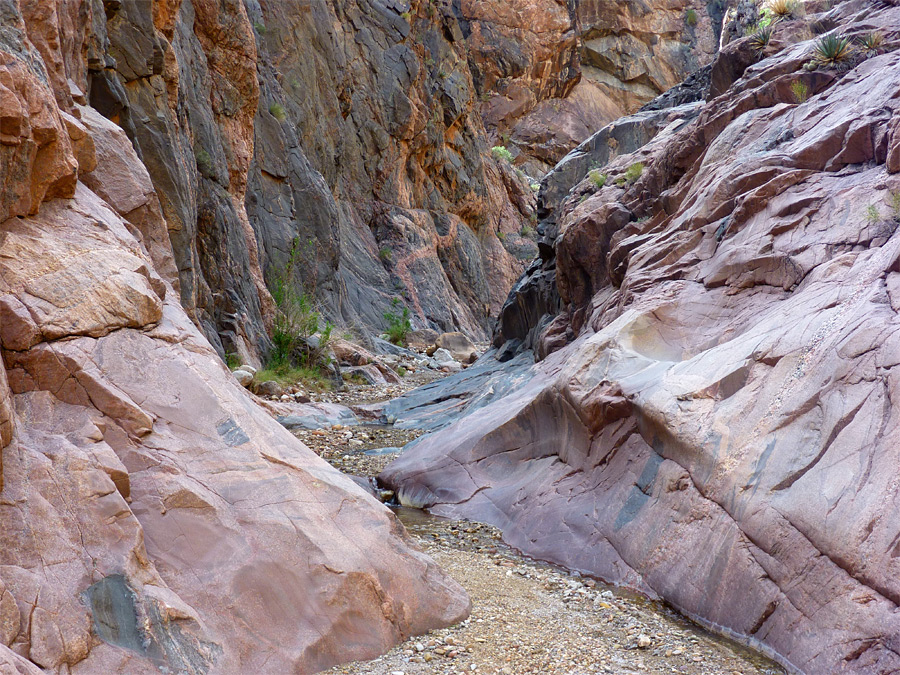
(152, 516)
(712, 421)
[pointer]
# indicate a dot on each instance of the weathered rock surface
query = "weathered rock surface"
(551, 73)
(152, 515)
(712, 422)
(459, 346)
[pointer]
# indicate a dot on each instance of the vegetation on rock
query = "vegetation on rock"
(398, 322)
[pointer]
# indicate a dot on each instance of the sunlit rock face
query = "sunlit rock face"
(551, 73)
(711, 417)
(152, 516)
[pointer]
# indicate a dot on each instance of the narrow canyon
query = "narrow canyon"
(443, 336)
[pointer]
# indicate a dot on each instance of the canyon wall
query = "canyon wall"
(551, 73)
(153, 517)
(711, 417)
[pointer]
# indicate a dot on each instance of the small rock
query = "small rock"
(244, 377)
(269, 388)
(644, 641)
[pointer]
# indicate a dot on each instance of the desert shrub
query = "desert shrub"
(597, 178)
(782, 9)
(895, 205)
(872, 42)
(832, 51)
(691, 18)
(399, 324)
(499, 152)
(233, 361)
(759, 40)
(296, 318)
(277, 111)
(260, 27)
(385, 254)
(800, 91)
(633, 172)
(872, 214)
(527, 231)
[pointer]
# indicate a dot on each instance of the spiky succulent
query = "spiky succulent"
(872, 42)
(760, 39)
(782, 9)
(833, 51)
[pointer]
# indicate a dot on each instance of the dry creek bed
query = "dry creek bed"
(527, 617)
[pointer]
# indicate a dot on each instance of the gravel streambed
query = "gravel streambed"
(528, 617)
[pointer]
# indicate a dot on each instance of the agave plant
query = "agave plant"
(782, 9)
(833, 51)
(760, 39)
(872, 42)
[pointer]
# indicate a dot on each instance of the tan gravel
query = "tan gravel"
(527, 617)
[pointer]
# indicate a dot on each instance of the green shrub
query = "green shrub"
(399, 324)
(501, 236)
(895, 205)
(633, 172)
(233, 361)
(597, 178)
(385, 254)
(872, 214)
(535, 187)
(527, 232)
(296, 319)
(499, 152)
(277, 111)
(260, 27)
(405, 15)
(832, 51)
(800, 91)
(690, 18)
(401, 371)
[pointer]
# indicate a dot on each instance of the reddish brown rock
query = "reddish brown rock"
(152, 515)
(713, 423)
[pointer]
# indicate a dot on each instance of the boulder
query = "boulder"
(269, 388)
(370, 374)
(420, 340)
(244, 377)
(459, 346)
(442, 357)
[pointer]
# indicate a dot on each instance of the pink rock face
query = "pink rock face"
(138, 455)
(152, 515)
(720, 431)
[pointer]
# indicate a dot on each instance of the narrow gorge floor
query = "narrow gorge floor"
(527, 616)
